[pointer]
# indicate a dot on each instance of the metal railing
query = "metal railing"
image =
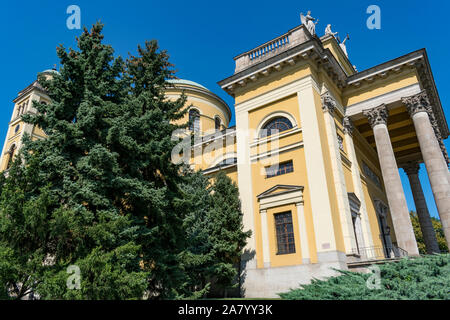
(378, 252)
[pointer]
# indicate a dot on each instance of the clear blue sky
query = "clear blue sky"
(202, 37)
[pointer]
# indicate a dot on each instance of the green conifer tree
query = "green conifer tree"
(74, 201)
(227, 232)
(101, 192)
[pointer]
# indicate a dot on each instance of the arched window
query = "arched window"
(10, 156)
(275, 125)
(217, 123)
(194, 120)
(227, 162)
(17, 128)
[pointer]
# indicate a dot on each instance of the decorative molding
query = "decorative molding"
(277, 94)
(421, 103)
(411, 167)
(417, 103)
(275, 152)
(288, 194)
(328, 102)
(377, 115)
(260, 141)
(348, 126)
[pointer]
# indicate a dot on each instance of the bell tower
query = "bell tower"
(23, 104)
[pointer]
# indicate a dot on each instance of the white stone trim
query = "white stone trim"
(265, 238)
(302, 230)
(222, 157)
(357, 185)
(271, 138)
(273, 115)
(339, 182)
(277, 94)
(282, 199)
(278, 62)
(245, 180)
(315, 168)
(389, 67)
(275, 152)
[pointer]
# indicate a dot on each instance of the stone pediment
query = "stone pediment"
(280, 189)
(280, 195)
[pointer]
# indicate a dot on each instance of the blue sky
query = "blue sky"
(202, 37)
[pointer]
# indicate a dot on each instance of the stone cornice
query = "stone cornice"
(201, 91)
(377, 115)
(417, 60)
(311, 51)
(34, 86)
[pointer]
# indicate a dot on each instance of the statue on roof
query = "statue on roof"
(329, 32)
(342, 44)
(308, 21)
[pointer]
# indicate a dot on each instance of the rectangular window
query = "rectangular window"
(279, 169)
(371, 175)
(285, 233)
(340, 142)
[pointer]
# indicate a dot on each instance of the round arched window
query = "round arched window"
(17, 128)
(217, 123)
(275, 125)
(194, 120)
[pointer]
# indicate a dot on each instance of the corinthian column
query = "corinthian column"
(429, 236)
(394, 190)
(420, 111)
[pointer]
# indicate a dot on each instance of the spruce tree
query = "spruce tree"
(227, 232)
(73, 202)
(105, 166)
(101, 193)
(198, 257)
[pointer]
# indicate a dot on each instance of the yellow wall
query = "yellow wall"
(379, 87)
(272, 81)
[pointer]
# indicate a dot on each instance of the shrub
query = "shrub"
(422, 278)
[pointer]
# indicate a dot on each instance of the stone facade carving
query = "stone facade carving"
(421, 103)
(329, 32)
(348, 126)
(417, 103)
(377, 115)
(411, 167)
(328, 102)
(308, 21)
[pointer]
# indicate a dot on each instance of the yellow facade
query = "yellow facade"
(332, 188)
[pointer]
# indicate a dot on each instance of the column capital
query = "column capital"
(417, 103)
(328, 102)
(377, 115)
(421, 103)
(411, 167)
(348, 126)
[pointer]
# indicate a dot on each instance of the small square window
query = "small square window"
(279, 169)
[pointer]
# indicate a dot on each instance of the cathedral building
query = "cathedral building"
(316, 153)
